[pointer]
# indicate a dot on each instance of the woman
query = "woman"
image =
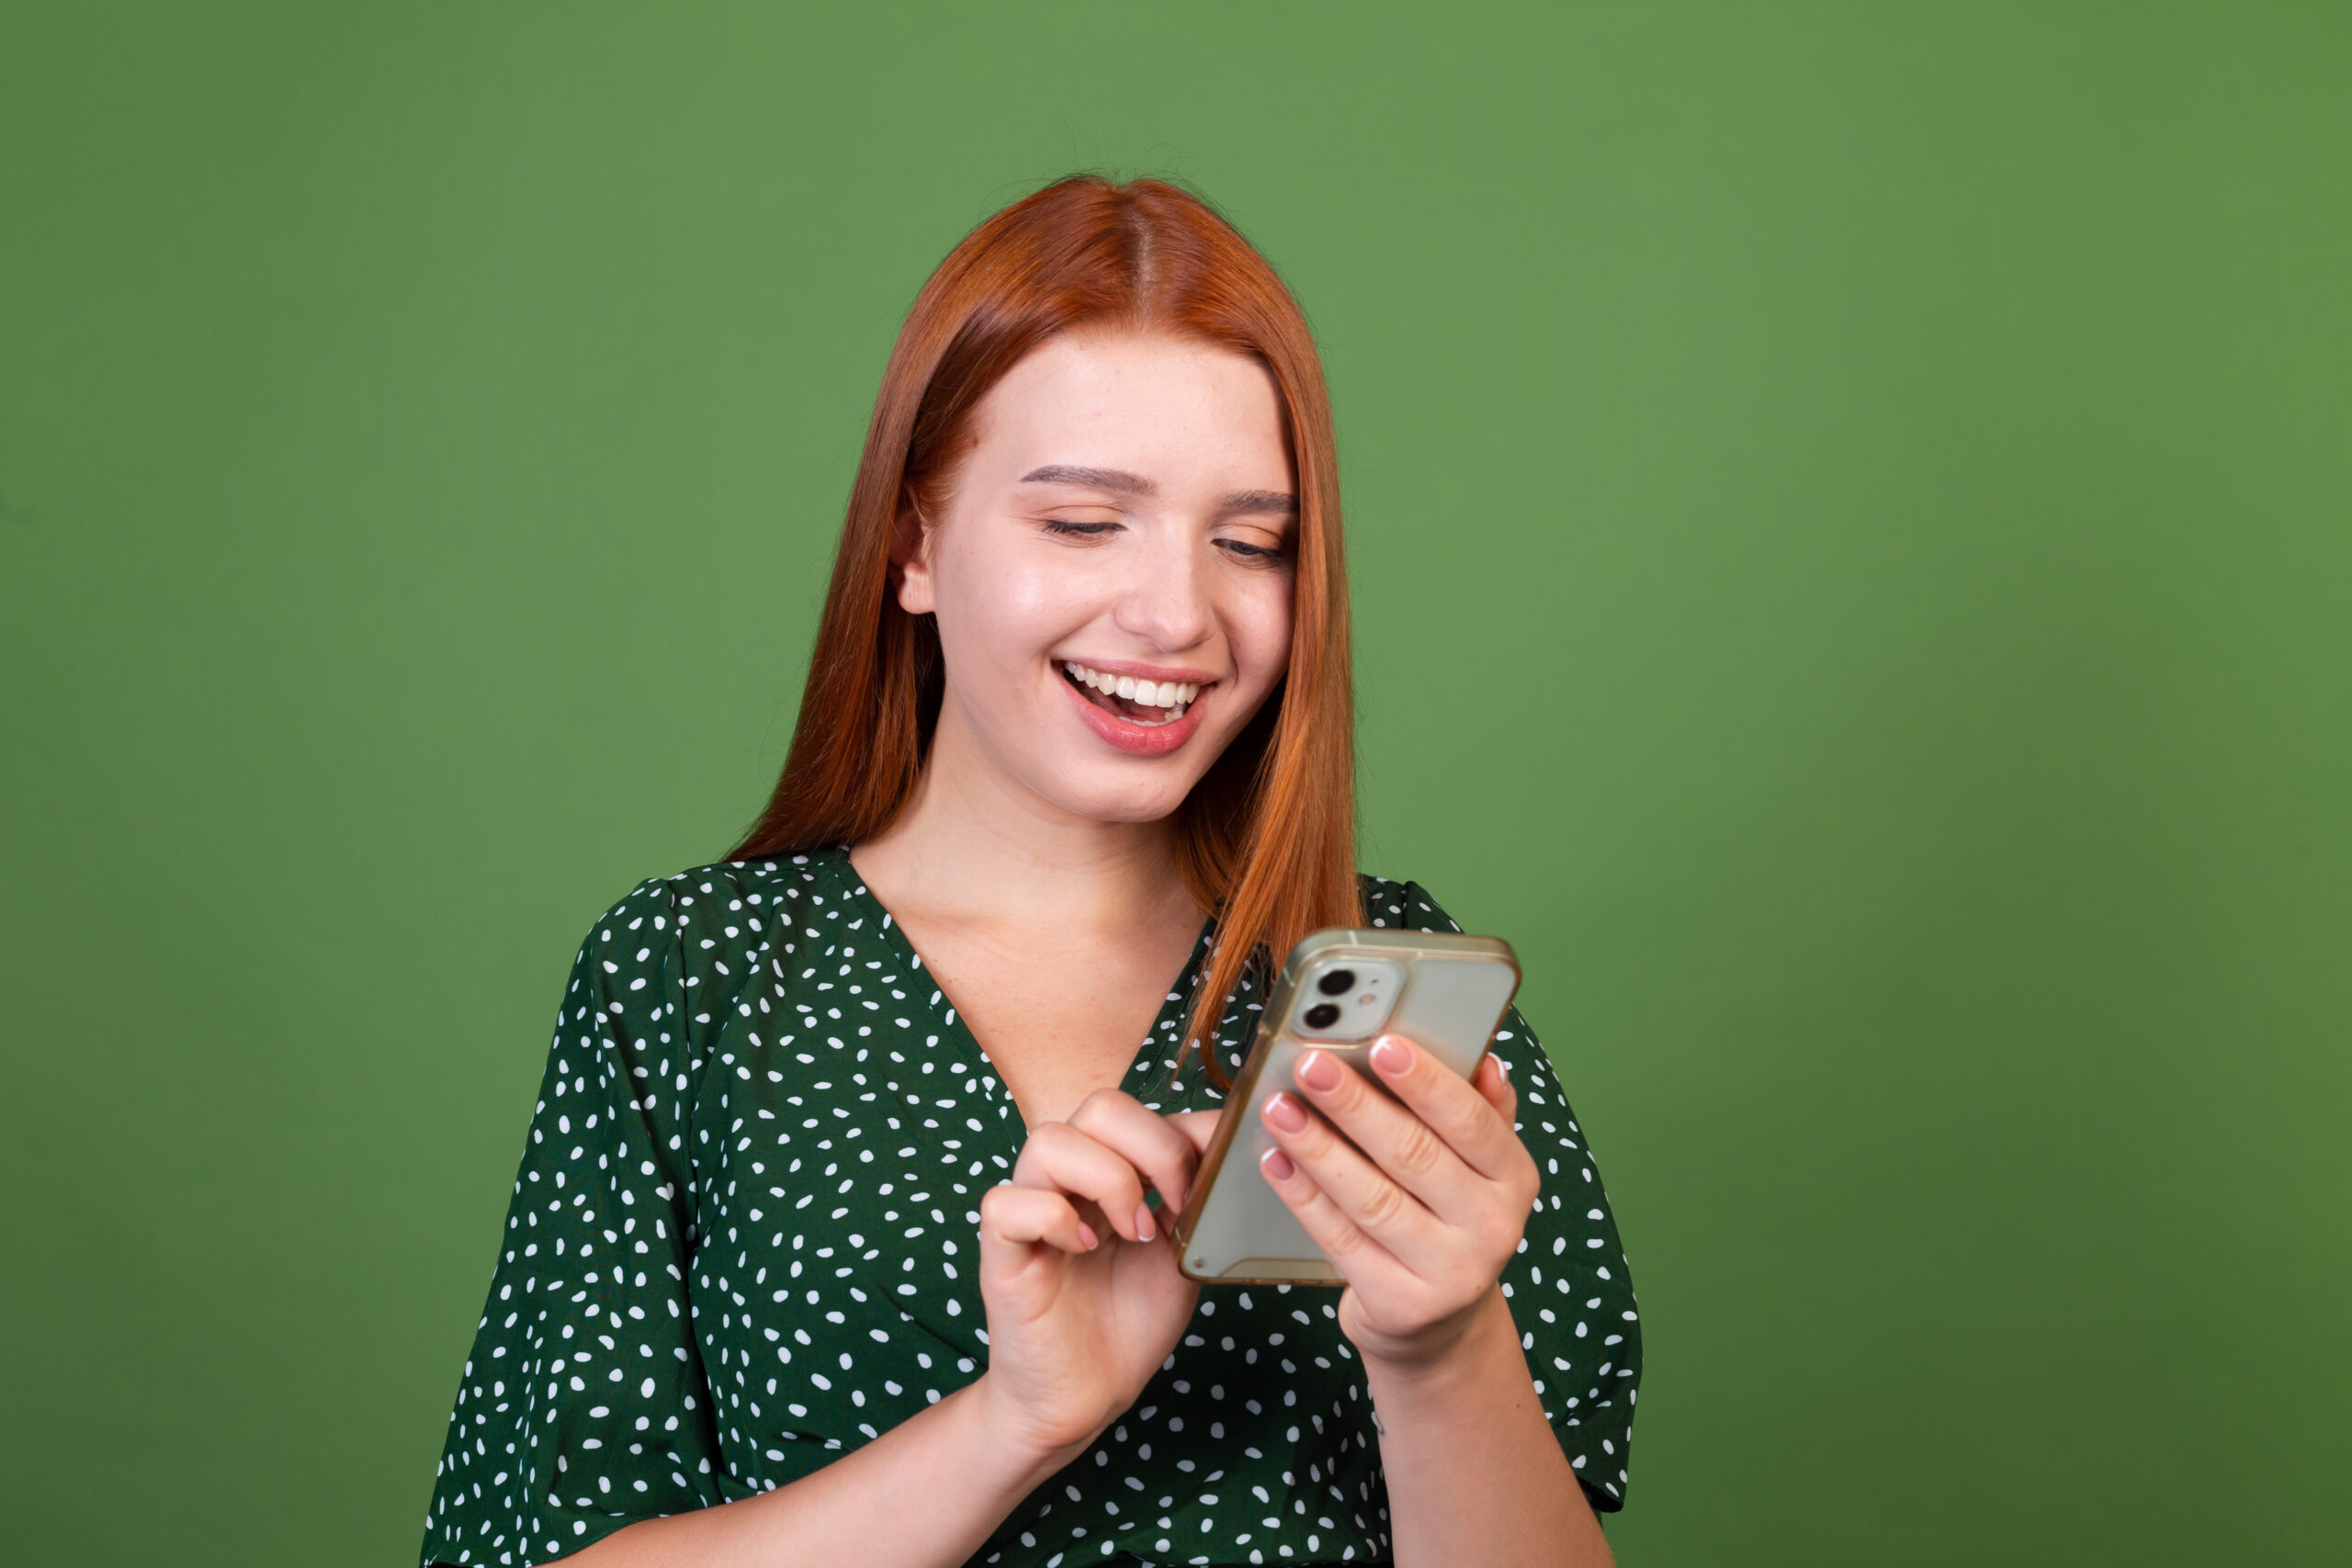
(834, 1238)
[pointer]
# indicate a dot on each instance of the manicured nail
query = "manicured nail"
(1086, 1234)
(1143, 1223)
(1277, 1165)
(1502, 1068)
(1317, 1070)
(1392, 1057)
(1286, 1114)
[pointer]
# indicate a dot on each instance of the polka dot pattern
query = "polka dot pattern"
(744, 1238)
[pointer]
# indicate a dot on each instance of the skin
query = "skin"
(1034, 870)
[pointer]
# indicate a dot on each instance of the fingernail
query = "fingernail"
(1393, 1057)
(1501, 1065)
(1317, 1070)
(1286, 1114)
(1086, 1234)
(1277, 1165)
(1143, 1223)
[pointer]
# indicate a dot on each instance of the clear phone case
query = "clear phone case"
(1339, 991)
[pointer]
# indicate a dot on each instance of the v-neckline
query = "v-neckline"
(1176, 997)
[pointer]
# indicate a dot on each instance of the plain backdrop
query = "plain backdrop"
(1848, 514)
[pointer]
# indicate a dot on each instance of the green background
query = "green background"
(1848, 512)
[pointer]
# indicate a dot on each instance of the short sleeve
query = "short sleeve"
(1569, 1291)
(584, 1405)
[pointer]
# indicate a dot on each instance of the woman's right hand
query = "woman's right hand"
(1084, 1300)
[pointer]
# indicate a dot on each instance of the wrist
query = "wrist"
(1014, 1438)
(1439, 1354)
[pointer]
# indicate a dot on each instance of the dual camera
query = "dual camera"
(1323, 1015)
(1349, 1001)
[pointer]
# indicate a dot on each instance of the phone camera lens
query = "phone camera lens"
(1322, 1015)
(1337, 983)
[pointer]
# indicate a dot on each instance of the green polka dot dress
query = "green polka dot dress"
(743, 1242)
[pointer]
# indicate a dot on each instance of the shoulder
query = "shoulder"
(1402, 906)
(682, 953)
(764, 877)
(706, 928)
(707, 895)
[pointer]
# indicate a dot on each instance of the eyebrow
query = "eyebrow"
(1092, 478)
(1124, 483)
(1280, 501)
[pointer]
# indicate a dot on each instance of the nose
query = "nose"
(1165, 599)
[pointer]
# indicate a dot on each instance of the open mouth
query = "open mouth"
(1151, 704)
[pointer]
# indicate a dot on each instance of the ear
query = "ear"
(911, 558)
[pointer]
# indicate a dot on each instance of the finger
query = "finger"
(1492, 1080)
(1356, 1256)
(1404, 1146)
(1386, 1212)
(1472, 1124)
(1059, 1157)
(1198, 1127)
(1028, 1215)
(1144, 1138)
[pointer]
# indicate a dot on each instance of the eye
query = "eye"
(1073, 528)
(1255, 555)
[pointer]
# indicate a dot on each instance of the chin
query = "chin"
(1120, 808)
(1116, 798)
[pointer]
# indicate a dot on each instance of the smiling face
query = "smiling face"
(1112, 572)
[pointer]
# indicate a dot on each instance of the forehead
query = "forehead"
(1178, 412)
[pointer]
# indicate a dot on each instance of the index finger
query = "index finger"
(1454, 1108)
(1142, 1137)
(1198, 1127)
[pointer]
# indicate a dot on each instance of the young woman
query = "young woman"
(834, 1240)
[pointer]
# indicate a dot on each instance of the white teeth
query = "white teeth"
(1174, 695)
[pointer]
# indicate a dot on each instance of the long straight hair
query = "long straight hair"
(1267, 837)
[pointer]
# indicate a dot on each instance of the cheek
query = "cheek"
(1257, 620)
(1008, 607)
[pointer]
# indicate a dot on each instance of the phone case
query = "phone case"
(1445, 992)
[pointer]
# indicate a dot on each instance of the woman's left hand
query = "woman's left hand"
(1421, 1213)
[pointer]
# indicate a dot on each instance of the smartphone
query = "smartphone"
(1339, 991)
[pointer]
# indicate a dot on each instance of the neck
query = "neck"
(978, 848)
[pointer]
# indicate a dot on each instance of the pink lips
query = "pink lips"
(1137, 739)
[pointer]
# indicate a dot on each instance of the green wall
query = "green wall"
(1850, 512)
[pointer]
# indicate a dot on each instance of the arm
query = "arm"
(1419, 1206)
(1079, 1317)
(1474, 1474)
(958, 1457)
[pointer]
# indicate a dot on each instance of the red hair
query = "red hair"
(1267, 837)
